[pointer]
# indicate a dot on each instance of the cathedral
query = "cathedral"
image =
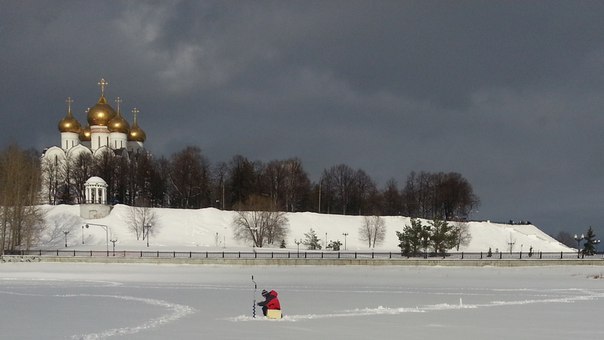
(106, 131)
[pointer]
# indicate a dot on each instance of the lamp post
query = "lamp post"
(579, 239)
(65, 232)
(297, 242)
(82, 234)
(325, 247)
(596, 242)
(146, 232)
(106, 233)
(345, 234)
(425, 241)
(113, 241)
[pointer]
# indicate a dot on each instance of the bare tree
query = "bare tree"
(189, 179)
(372, 230)
(51, 177)
(54, 235)
(566, 239)
(219, 179)
(81, 170)
(20, 218)
(462, 232)
(286, 182)
(392, 201)
(258, 221)
(341, 180)
(438, 195)
(363, 191)
(140, 217)
(297, 184)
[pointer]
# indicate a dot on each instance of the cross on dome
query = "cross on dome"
(135, 111)
(102, 84)
(69, 101)
(118, 100)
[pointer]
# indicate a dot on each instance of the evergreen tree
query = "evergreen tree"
(412, 236)
(311, 241)
(443, 236)
(589, 247)
(334, 245)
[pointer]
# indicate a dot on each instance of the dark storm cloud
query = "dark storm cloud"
(506, 93)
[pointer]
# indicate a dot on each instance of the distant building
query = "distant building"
(107, 131)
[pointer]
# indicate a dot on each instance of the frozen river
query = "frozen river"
(146, 301)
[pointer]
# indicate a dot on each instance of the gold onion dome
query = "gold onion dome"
(101, 113)
(136, 133)
(69, 123)
(118, 123)
(85, 134)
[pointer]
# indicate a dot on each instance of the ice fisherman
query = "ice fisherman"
(271, 301)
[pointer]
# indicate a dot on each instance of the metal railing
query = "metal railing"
(262, 254)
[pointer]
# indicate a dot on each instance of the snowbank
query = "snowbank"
(210, 229)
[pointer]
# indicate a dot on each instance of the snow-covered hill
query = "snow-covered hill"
(210, 229)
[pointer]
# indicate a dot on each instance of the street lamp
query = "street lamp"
(297, 242)
(345, 234)
(146, 233)
(82, 234)
(106, 233)
(65, 232)
(579, 239)
(425, 241)
(113, 241)
(595, 243)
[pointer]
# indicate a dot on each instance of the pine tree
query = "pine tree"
(443, 236)
(311, 241)
(334, 245)
(590, 242)
(412, 236)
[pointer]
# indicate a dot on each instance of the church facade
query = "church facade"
(106, 130)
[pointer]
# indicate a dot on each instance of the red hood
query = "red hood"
(273, 294)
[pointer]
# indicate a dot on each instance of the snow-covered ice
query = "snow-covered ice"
(148, 301)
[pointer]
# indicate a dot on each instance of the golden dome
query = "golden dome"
(85, 134)
(136, 133)
(69, 123)
(101, 113)
(118, 123)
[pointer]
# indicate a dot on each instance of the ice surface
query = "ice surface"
(146, 301)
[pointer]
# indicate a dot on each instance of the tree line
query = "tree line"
(188, 180)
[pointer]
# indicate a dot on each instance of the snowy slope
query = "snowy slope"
(210, 229)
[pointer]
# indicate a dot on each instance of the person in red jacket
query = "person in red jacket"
(271, 301)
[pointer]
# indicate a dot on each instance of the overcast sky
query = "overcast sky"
(509, 94)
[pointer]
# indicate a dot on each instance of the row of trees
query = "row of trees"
(258, 222)
(437, 237)
(188, 180)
